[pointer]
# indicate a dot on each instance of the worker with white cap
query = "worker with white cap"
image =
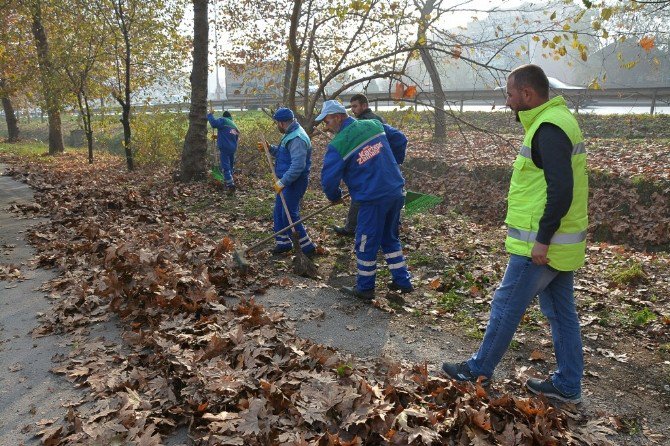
(361, 156)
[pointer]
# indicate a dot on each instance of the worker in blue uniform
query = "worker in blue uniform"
(226, 141)
(360, 155)
(293, 159)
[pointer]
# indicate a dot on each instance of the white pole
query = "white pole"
(218, 92)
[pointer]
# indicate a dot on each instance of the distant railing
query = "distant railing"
(576, 98)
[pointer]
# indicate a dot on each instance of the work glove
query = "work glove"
(262, 147)
(278, 187)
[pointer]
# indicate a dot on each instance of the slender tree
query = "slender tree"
(146, 49)
(427, 17)
(49, 76)
(85, 63)
(13, 132)
(194, 153)
(124, 23)
(79, 77)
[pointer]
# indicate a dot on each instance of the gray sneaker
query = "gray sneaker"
(547, 388)
(461, 372)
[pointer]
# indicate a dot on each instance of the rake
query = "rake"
(416, 202)
(302, 265)
(239, 256)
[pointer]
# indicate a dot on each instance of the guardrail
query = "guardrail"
(577, 98)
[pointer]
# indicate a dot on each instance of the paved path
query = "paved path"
(329, 317)
(28, 391)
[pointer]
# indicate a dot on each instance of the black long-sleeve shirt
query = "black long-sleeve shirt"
(369, 114)
(551, 151)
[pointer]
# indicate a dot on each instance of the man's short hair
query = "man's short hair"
(531, 76)
(360, 97)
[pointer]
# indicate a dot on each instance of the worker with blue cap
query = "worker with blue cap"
(226, 142)
(360, 155)
(293, 158)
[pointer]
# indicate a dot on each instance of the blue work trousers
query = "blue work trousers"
(293, 193)
(523, 281)
(378, 225)
(227, 161)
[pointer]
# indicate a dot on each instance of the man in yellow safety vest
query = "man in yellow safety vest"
(546, 238)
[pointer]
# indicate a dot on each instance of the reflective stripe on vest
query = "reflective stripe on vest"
(576, 150)
(557, 239)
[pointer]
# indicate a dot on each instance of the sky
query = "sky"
(461, 18)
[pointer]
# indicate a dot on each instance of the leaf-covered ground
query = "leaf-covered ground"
(158, 255)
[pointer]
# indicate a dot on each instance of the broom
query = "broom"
(302, 265)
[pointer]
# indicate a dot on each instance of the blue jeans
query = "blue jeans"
(522, 282)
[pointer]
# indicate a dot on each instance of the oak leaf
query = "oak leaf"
(647, 43)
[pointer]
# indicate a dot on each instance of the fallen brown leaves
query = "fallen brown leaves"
(10, 272)
(233, 374)
(630, 189)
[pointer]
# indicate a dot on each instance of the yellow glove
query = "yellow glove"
(262, 147)
(278, 187)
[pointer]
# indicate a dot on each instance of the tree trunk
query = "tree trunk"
(194, 153)
(287, 81)
(12, 123)
(125, 121)
(125, 104)
(89, 130)
(51, 95)
(85, 112)
(294, 53)
(308, 109)
(440, 131)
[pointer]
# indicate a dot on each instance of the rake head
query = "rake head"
(241, 261)
(302, 265)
